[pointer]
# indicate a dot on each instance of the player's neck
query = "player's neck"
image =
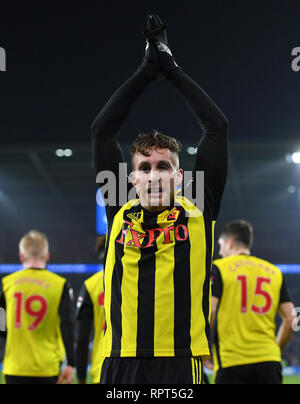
(240, 251)
(34, 265)
(155, 209)
(158, 209)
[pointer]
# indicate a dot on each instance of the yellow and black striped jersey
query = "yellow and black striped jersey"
(250, 291)
(157, 282)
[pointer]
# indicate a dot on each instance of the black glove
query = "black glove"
(157, 35)
(150, 64)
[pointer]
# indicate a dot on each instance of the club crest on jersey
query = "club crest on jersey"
(173, 216)
(135, 216)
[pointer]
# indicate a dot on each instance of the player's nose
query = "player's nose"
(154, 176)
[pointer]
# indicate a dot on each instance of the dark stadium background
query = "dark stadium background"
(64, 60)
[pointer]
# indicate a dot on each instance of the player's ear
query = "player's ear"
(48, 257)
(230, 243)
(21, 257)
(132, 177)
(179, 177)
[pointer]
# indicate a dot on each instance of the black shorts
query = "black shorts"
(152, 371)
(257, 373)
(30, 380)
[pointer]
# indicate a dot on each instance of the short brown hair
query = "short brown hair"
(241, 232)
(146, 142)
(34, 245)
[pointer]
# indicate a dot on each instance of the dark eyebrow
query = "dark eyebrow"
(164, 162)
(143, 164)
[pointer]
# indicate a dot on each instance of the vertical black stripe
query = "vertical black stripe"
(146, 293)
(216, 342)
(206, 286)
(182, 294)
(201, 371)
(116, 290)
(109, 228)
(195, 371)
(116, 299)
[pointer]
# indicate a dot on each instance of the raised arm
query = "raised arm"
(107, 153)
(212, 155)
(107, 125)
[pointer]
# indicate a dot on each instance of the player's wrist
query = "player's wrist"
(173, 74)
(149, 70)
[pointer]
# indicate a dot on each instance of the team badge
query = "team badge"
(134, 216)
(173, 216)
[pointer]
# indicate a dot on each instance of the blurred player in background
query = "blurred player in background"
(39, 316)
(90, 311)
(2, 323)
(159, 247)
(247, 294)
(2, 334)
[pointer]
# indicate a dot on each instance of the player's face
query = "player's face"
(224, 247)
(156, 178)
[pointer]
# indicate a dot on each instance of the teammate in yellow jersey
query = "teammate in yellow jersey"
(39, 315)
(247, 294)
(89, 313)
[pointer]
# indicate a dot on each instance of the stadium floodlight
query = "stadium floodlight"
(296, 157)
(68, 153)
(192, 150)
(59, 153)
(64, 153)
(292, 189)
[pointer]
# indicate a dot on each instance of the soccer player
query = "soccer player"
(39, 315)
(160, 245)
(89, 313)
(247, 294)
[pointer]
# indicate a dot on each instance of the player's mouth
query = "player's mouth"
(155, 192)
